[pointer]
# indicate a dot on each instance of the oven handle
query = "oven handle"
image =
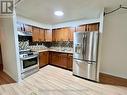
(29, 57)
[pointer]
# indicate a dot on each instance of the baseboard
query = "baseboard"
(43, 66)
(9, 74)
(113, 80)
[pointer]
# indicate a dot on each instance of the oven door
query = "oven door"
(29, 63)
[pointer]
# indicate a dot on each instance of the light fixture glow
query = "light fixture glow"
(58, 13)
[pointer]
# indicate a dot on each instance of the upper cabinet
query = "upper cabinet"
(48, 35)
(42, 35)
(93, 27)
(55, 35)
(71, 31)
(88, 27)
(63, 34)
(60, 34)
(35, 34)
(81, 28)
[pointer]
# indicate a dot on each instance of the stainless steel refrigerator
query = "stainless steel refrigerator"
(85, 54)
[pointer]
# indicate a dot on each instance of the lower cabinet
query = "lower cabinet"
(70, 61)
(54, 58)
(63, 60)
(43, 58)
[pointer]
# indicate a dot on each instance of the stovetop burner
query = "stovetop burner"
(27, 53)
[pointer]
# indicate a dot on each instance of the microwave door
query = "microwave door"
(91, 46)
(79, 45)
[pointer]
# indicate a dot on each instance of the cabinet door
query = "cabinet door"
(41, 35)
(64, 34)
(71, 33)
(43, 59)
(58, 35)
(48, 35)
(63, 60)
(55, 35)
(93, 27)
(35, 34)
(50, 57)
(81, 28)
(70, 62)
(55, 59)
(47, 57)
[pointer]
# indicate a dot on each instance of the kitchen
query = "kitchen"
(74, 47)
(55, 46)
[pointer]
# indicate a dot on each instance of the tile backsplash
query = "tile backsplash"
(63, 44)
(27, 44)
(23, 45)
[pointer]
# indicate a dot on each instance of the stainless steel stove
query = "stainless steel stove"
(29, 62)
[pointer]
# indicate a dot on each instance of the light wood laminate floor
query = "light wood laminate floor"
(51, 80)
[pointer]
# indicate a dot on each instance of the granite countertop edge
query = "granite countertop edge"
(39, 51)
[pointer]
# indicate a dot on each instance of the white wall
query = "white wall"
(114, 51)
(76, 23)
(33, 23)
(9, 46)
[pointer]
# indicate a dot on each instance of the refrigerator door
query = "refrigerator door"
(84, 69)
(79, 38)
(91, 46)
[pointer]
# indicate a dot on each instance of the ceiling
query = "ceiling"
(43, 10)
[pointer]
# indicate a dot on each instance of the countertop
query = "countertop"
(53, 50)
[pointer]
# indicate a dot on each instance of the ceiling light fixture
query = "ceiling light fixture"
(58, 13)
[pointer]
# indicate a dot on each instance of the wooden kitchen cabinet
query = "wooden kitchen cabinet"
(48, 35)
(43, 59)
(63, 60)
(55, 59)
(71, 33)
(41, 35)
(35, 34)
(53, 35)
(56, 35)
(81, 28)
(93, 27)
(70, 62)
(63, 34)
(38, 34)
(88, 27)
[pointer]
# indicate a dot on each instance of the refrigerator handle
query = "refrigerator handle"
(83, 51)
(85, 41)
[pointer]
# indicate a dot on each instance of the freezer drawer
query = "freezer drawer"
(85, 70)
